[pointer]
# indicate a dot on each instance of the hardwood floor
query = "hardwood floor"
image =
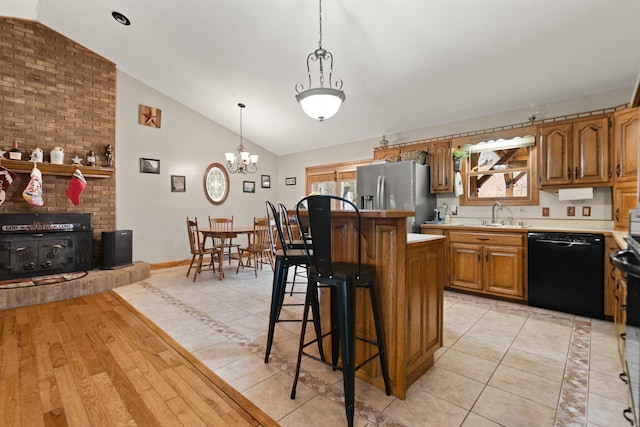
(96, 361)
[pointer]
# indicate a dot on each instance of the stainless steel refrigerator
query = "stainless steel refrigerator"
(397, 186)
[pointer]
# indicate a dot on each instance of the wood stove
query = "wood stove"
(37, 244)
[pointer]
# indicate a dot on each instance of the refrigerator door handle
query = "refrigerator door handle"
(380, 193)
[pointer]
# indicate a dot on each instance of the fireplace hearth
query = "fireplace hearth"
(37, 244)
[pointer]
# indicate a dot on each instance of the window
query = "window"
(336, 179)
(501, 170)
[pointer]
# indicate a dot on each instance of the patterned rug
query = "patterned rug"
(41, 280)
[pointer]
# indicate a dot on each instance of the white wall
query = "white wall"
(186, 144)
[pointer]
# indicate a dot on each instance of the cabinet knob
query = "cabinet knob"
(618, 170)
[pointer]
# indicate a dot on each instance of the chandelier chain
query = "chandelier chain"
(320, 13)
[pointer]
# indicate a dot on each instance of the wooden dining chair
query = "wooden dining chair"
(198, 251)
(259, 249)
(230, 247)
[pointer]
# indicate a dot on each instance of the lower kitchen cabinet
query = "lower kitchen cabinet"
(488, 263)
(610, 276)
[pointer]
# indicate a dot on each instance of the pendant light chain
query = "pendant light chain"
(320, 10)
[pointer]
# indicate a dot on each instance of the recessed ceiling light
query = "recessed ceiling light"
(120, 18)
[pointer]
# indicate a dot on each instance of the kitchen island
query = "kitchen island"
(410, 275)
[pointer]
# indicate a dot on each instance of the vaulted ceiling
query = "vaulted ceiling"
(406, 64)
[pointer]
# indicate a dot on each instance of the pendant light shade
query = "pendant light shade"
(321, 102)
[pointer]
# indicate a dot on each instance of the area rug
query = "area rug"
(41, 280)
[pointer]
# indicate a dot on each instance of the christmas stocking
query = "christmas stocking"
(33, 193)
(76, 186)
(6, 178)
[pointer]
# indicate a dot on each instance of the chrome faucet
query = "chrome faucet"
(494, 217)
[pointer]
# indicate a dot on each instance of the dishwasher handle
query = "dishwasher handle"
(567, 244)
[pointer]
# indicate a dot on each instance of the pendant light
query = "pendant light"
(241, 161)
(322, 102)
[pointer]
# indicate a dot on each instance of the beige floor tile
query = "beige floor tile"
(273, 395)
(529, 386)
(319, 412)
(465, 364)
(486, 332)
(246, 372)
(511, 410)
(537, 343)
(605, 412)
(423, 409)
(452, 387)
(545, 367)
(481, 348)
(477, 345)
(605, 362)
(508, 320)
(221, 354)
(475, 420)
(199, 340)
(607, 386)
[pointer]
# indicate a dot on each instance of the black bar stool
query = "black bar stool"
(285, 257)
(342, 278)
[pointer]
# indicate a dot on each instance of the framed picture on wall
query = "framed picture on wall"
(178, 184)
(149, 165)
(290, 181)
(248, 186)
(265, 181)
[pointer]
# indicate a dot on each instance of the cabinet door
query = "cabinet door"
(591, 152)
(465, 266)
(626, 137)
(555, 154)
(625, 198)
(425, 280)
(441, 165)
(610, 277)
(503, 266)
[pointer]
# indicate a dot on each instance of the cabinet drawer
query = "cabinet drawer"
(487, 238)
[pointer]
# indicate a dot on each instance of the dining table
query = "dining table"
(224, 234)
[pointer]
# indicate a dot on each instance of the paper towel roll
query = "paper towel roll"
(575, 193)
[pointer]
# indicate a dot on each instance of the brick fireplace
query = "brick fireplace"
(56, 93)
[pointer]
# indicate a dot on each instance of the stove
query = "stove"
(37, 244)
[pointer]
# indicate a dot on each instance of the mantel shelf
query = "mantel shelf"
(22, 166)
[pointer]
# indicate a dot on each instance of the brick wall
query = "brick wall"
(56, 93)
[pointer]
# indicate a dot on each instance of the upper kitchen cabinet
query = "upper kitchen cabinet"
(575, 153)
(441, 166)
(625, 136)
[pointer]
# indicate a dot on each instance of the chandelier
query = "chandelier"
(321, 102)
(241, 161)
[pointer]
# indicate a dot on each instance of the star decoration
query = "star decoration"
(150, 119)
(77, 160)
(149, 116)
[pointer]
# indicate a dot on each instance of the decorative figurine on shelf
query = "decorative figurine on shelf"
(15, 153)
(57, 156)
(37, 155)
(91, 158)
(108, 155)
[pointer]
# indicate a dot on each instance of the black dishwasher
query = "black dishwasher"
(566, 272)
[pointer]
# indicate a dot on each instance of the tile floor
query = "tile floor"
(502, 364)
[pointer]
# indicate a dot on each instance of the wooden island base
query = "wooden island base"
(410, 282)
